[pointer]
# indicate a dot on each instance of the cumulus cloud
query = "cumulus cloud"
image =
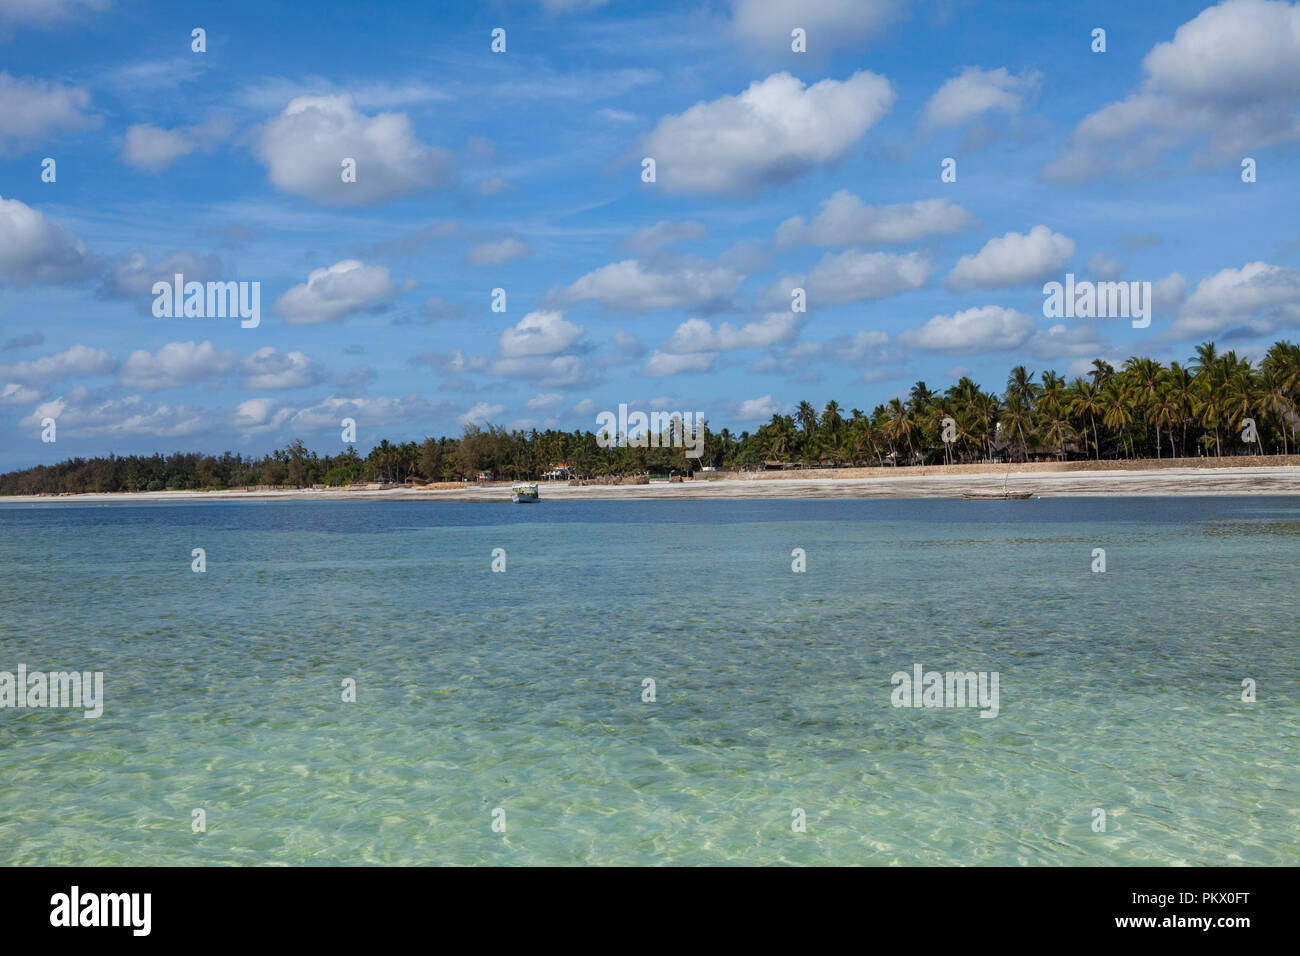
(175, 365)
(1258, 298)
(1014, 259)
(45, 13)
(636, 286)
(455, 362)
(270, 370)
(32, 111)
(80, 416)
(1058, 342)
(695, 344)
(773, 132)
(1227, 83)
(757, 409)
(1104, 267)
(340, 290)
(662, 234)
(255, 416)
(974, 92)
(547, 403)
(79, 361)
(854, 276)
(845, 220)
(559, 371)
(482, 414)
(498, 252)
(303, 148)
(34, 249)
(132, 276)
(264, 415)
(830, 24)
(539, 333)
(1168, 292)
(15, 394)
(989, 328)
(152, 149)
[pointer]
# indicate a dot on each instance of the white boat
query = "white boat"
(525, 492)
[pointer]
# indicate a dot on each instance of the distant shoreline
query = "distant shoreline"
(931, 482)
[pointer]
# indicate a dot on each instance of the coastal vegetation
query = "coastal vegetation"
(1143, 409)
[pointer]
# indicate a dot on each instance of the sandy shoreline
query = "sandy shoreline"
(1283, 480)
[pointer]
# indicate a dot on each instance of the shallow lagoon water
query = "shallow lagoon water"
(522, 690)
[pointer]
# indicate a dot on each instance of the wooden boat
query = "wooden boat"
(1002, 495)
(525, 493)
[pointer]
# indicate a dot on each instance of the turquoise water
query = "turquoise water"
(523, 690)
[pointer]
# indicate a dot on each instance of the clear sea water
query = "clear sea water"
(523, 690)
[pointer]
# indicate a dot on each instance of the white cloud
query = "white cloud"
(269, 370)
(257, 416)
(830, 24)
(15, 394)
(662, 234)
(33, 249)
(1168, 292)
(80, 417)
(989, 328)
(664, 364)
(1058, 342)
(340, 290)
(1014, 259)
(757, 409)
(175, 365)
(455, 362)
(634, 286)
(132, 276)
(482, 414)
(548, 403)
(844, 220)
(559, 371)
(152, 149)
(45, 13)
(854, 276)
(498, 252)
(539, 333)
(33, 111)
(695, 344)
(304, 146)
(1258, 296)
(773, 132)
(974, 92)
(1229, 81)
(696, 335)
(1104, 267)
(79, 361)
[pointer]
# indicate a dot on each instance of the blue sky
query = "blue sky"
(522, 171)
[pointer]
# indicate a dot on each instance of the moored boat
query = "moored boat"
(525, 492)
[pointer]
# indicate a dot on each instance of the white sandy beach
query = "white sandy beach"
(1284, 480)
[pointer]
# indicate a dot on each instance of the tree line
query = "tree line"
(1144, 409)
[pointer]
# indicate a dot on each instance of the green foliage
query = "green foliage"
(1144, 409)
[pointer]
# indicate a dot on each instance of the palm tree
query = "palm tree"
(1085, 403)
(1117, 408)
